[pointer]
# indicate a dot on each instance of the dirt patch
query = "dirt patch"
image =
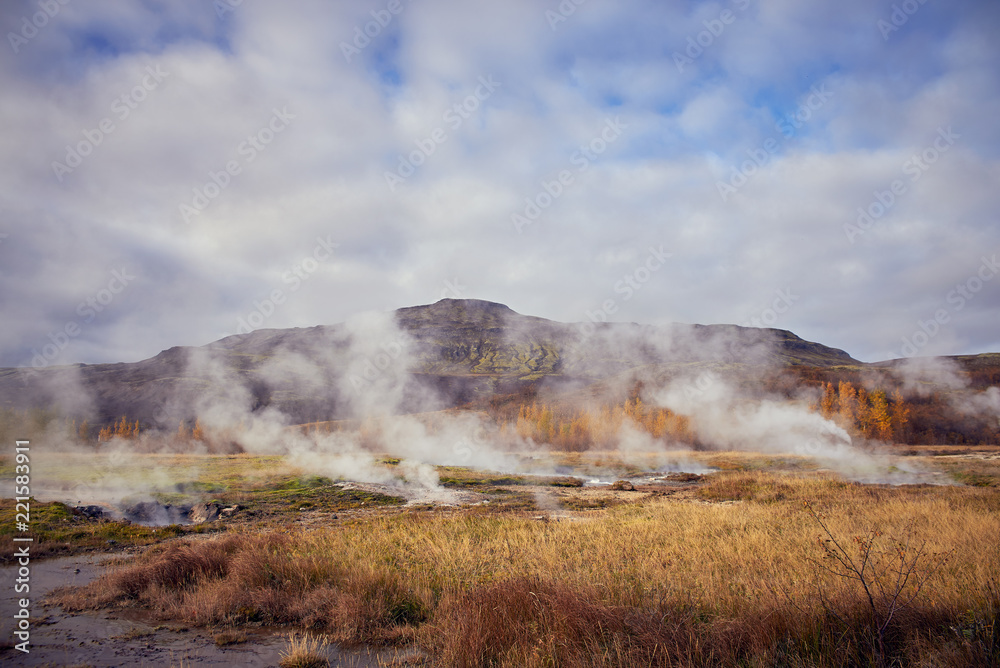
(116, 639)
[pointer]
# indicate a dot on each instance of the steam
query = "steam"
(254, 395)
(699, 373)
(923, 376)
(986, 403)
(724, 419)
(638, 448)
(367, 363)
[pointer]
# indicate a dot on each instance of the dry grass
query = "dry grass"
(230, 637)
(661, 582)
(305, 651)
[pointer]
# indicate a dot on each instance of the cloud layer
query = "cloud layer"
(171, 170)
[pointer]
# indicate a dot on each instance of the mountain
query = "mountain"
(454, 351)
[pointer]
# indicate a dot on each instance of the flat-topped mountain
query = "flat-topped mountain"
(434, 356)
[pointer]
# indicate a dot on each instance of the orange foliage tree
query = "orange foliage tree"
(870, 414)
(582, 429)
(121, 429)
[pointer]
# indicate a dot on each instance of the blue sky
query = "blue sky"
(275, 165)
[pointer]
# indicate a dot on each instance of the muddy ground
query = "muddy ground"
(112, 639)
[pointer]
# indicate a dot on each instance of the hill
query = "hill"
(428, 357)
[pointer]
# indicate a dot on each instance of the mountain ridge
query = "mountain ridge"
(455, 351)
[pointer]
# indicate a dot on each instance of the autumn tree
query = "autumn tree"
(900, 417)
(828, 403)
(122, 429)
(847, 402)
(879, 416)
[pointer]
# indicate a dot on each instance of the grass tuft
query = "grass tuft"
(304, 651)
(230, 637)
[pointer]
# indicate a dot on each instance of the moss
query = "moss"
(975, 479)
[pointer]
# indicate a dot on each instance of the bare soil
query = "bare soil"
(128, 638)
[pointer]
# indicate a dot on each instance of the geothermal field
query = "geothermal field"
(500, 490)
(511, 334)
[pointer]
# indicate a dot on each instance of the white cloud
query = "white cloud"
(324, 174)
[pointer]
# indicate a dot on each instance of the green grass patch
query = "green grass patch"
(274, 497)
(974, 479)
(58, 531)
(466, 478)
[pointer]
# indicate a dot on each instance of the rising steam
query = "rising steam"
(366, 373)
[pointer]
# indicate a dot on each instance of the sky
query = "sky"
(176, 172)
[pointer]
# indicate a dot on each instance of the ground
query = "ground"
(689, 518)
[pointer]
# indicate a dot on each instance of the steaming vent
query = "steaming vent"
(154, 513)
(628, 483)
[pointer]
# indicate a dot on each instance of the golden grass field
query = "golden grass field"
(732, 568)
